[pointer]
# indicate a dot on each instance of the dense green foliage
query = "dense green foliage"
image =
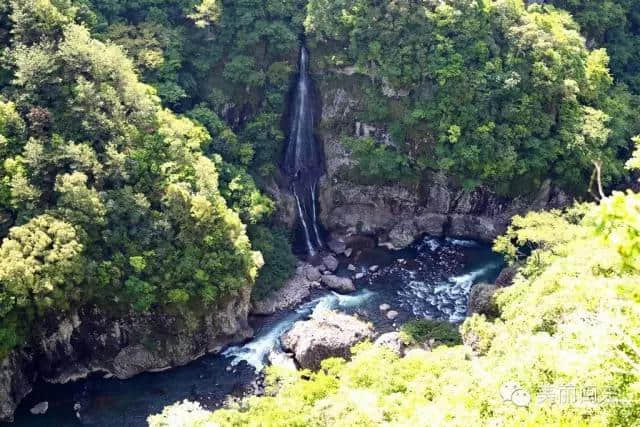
(615, 25)
(565, 349)
(378, 162)
(217, 60)
(274, 246)
(497, 94)
(421, 330)
(107, 198)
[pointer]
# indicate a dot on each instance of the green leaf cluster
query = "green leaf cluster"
(571, 321)
(498, 94)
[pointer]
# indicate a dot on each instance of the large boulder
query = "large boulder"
(403, 234)
(337, 246)
(40, 408)
(475, 227)
(482, 300)
(326, 334)
(330, 262)
(339, 284)
(312, 273)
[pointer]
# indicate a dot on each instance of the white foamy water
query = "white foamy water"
(255, 352)
(432, 243)
(444, 299)
(462, 243)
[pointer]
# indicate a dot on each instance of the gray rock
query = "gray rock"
(475, 227)
(385, 307)
(338, 284)
(393, 341)
(351, 267)
(374, 268)
(326, 334)
(359, 276)
(330, 262)
(507, 275)
(337, 246)
(392, 314)
(481, 300)
(90, 341)
(432, 224)
(294, 291)
(403, 234)
(16, 378)
(348, 252)
(312, 273)
(40, 409)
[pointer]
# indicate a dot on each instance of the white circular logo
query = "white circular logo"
(512, 392)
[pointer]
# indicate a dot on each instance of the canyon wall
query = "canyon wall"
(91, 342)
(398, 213)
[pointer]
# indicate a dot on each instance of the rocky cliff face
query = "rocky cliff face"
(397, 214)
(88, 341)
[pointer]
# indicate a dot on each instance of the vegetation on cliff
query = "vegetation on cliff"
(137, 138)
(490, 92)
(106, 197)
(614, 25)
(564, 350)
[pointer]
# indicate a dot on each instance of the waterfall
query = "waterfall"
(310, 250)
(314, 218)
(303, 162)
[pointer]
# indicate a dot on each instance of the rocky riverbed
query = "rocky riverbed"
(431, 278)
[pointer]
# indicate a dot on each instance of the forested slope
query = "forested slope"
(564, 350)
(138, 140)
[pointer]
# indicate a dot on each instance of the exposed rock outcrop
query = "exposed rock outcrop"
(339, 284)
(326, 334)
(90, 341)
(16, 379)
(294, 291)
(398, 214)
(481, 300)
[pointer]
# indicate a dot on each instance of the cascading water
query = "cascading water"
(302, 161)
(430, 279)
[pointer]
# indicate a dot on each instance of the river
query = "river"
(430, 279)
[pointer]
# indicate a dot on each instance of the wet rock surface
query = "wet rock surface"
(295, 290)
(326, 334)
(89, 341)
(339, 284)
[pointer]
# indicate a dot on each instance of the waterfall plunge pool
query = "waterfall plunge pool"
(431, 279)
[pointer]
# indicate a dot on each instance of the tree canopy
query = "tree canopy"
(108, 198)
(564, 349)
(498, 94)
